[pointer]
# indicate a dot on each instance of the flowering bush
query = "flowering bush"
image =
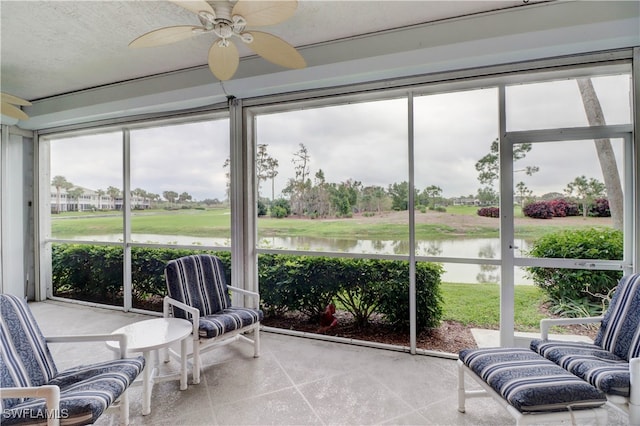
(562, 208)
(489, 212)
(600, 208)
(538, 210)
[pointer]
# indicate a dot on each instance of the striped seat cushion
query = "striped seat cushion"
(198, 281)
(601, 368)
(230, 319)
(85, 392)
(529, 382)
(620, 330)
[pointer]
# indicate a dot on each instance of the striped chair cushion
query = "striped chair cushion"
(529, 382)
(85, 392)
(620, 330)
(25, 354)
(230, 319)
(198, 281)
(597, 366)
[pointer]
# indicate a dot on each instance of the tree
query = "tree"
(113, 193)
(139, 194)
(487, 195)
(586, 191)
(488, 167)
(317, 202)
(399, 193)
(299, 185)
(271, 172)
(372, 198)
(523, 192)
(153, 197)
(606, 156)
(184, 197)
(265, 168)
(344, 196)
(60, 182)
(170, 196)
(430, 195)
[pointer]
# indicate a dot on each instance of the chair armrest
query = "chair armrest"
(547, 323)
(252, 294)
(120, 337)
(50, 393)
(194, 312)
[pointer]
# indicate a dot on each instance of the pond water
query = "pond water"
(468, 248)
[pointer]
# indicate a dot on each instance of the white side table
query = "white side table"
(148, 337)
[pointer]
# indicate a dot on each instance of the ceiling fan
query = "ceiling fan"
(8, 106)
(227, 20)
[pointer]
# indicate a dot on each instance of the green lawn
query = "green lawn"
(478, 305)
(216, 223)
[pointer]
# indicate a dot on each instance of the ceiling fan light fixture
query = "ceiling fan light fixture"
(227, 19)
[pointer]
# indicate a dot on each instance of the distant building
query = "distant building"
(466, 201)
(89, 200)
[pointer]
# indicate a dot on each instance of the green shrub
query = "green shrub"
(362, 287)
(278, 212)
(280, 208)
(94, 272)
(87, 272)
(262, 208)
(577, 290)
(361, 282)
(287, 283)
(296, 283)
(394, 302)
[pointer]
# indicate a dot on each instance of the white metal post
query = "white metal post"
(507, 291)
(412, 237)
(126, 215)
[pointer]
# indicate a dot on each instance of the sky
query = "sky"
(366, 142)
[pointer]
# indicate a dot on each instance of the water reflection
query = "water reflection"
(488, 273)
(468, 248)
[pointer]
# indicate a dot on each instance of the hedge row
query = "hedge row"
(361, 286)
(562, 208)
(576, 292)
(287, 283)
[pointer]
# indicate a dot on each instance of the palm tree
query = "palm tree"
(60, 182)
(113, 193)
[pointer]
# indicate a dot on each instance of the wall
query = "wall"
(16, 213)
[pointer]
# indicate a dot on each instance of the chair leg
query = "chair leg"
(195, 368)
(124, 407)
(256, 342)
(461, 391)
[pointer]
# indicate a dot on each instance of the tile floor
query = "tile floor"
(296, 381)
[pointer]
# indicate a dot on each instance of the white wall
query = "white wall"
(12, 214)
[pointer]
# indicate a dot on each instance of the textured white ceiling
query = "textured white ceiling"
(55, 47)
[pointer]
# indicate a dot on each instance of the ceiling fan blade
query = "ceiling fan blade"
(276, 50)
(12, 111)
(266, 12)
(223, 61)
(195, 6)
(163, 36)
(5, 97)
